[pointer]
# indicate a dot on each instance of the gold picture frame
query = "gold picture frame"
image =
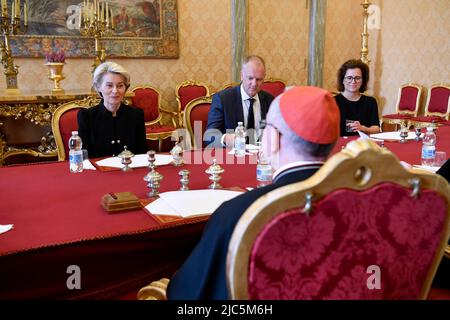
(143, 29)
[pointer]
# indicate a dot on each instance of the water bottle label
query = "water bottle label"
(76, 161)
(239, 145)
(264, 173)
(428, 152)
(76, 157)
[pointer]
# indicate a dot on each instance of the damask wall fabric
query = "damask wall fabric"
(412, 46)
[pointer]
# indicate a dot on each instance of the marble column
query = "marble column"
(317, 16)
(239, 36)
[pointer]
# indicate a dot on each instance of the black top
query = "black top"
(365, 110)
(104, 135)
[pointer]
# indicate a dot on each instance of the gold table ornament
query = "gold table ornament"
(96, 20)
(126, 156)
(214, 171)
(56, 75)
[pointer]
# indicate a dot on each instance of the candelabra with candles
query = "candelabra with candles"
(96, 20)
(365, 33)
(11, 24)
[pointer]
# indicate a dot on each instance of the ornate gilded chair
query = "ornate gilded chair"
(273, 86)
(64, 121)
(149, 99)
(355, 230)
(407, 107)
(186, 92)
(21, 156)
(195, 118)
(437, 108)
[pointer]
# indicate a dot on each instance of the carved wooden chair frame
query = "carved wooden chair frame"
(368, 162)
(80, 104)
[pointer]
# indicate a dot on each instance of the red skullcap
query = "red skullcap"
(311, 113)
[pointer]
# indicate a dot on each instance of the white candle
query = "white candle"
(25, 14)
(4, 7)
(107, 15)
(13, 10)
(80, 18)
(112, 19)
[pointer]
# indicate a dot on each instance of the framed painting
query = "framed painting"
(142, 29)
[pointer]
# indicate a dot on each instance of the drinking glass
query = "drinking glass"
(348, 127)
(418, 132)
(440, 159)
(403, 134)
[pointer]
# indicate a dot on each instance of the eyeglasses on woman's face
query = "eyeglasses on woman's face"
(351, 79)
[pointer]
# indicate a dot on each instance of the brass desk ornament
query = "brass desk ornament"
(215, 171)
(153, 177)
(184, 179)
(126, 156)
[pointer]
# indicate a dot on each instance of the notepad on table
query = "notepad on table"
(190, 203)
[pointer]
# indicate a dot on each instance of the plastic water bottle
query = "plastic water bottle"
(263, 168)
(75, 153)
(429, 147)
(239, 140)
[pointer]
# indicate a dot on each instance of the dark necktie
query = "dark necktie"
(251, 116)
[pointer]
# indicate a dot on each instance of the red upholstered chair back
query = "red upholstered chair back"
(409, 99)
(196, 119)
(188, 91)
(273, 86)
(148, 99)
(438, 101)
(64, 121)
(355, 230)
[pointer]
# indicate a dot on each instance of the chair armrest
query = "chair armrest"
(173, 113)
(154, 291)
(153, 122)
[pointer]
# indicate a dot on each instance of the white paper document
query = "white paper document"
(428, 168)
(5, 227)
(190, 203)
(393, 135)
(362, 135)
(138, 161)
(87, 165)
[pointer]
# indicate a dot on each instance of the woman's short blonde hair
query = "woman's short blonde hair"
(110, 67)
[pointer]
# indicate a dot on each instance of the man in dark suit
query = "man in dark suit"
(302, 128)
(245, 103)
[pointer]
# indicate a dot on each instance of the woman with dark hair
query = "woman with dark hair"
(358, 111)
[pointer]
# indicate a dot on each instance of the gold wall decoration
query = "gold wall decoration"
(12, 24)
(365, 33)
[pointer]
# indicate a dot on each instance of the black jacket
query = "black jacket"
(104, 135)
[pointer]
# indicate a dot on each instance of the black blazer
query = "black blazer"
(203, 274)
(104, 135)
(226, 108)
